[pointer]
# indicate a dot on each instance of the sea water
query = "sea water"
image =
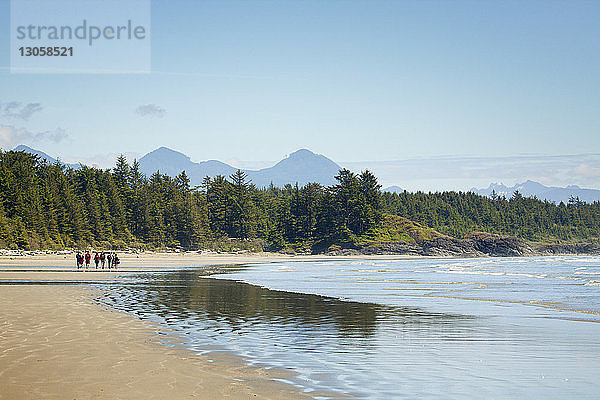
(419, 328)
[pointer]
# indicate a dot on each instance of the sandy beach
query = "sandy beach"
(57, 343)
(34, 267)
(154, 260)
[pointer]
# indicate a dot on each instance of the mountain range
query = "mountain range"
(550, 193)
(304, 166)
(43, 156)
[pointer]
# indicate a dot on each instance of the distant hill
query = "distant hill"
(171, 162)
(393, 189)
(42, 155)
(38, 153)
(550, 193)
(302, 166)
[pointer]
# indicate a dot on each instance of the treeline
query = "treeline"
(459, 213)
(46, 206)
(51, 206)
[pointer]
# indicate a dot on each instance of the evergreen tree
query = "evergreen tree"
(51, 206)
(240, 205)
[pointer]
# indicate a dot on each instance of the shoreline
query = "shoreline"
(38, 267)
(58, 343)
(153, 260)
(32, 268)
(144, 260)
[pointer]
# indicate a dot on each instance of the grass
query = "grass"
(394, 228)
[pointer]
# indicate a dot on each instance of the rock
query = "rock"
(393, 248)
(477, 244)
(448, 246)
(568, 248)
(344, 252)
(500, 246)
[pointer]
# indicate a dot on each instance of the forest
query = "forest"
(50, 206)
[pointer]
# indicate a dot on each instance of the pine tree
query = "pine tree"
(241, 205)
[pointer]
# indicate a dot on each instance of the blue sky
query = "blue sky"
(354, 80)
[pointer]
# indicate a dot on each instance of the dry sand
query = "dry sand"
(57, 343)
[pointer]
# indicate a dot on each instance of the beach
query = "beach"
(297, 326)
(292, 326)
(183, 259)
(57, 343)
(33, 267)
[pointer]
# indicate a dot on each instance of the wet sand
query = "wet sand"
(154, 260)
(34, 267)
(57, 343)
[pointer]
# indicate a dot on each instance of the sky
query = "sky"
(363, 82)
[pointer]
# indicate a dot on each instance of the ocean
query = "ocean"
(499, 328)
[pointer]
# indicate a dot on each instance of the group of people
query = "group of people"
(101, 258)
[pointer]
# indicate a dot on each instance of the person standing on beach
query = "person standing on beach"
(109, 259)
(79, 259)
(88, 258)
(96, 259)
(116, 260)
(102, 259)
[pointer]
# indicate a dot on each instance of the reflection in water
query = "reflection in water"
(330, 343)
(414, 328)
(191, 295)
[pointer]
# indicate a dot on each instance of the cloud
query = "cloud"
(11, 136)
(16, 110)
(151, 110)
(587, 170)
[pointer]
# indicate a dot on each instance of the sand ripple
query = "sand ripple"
(55, 343)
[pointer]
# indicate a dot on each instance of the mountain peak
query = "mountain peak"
(301, 166)
(165, 150)
(39, 153)
(24, 148)
(166, 155)
(303, 157)
(394, 189)
(165, 160)
(42, 155)
(551, 193)
(302, 154)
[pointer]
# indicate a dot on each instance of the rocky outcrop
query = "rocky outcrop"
(442, 246)
(568, 248)
(500, 246)
(476, 244)
(447, 246)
